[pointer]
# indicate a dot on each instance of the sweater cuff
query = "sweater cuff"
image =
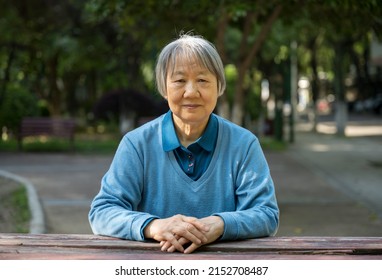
(230, 226)
(138, 227)
(145, 225)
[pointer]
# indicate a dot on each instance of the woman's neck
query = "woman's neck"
(188, 133)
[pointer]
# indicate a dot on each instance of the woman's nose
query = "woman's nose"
(191, 89)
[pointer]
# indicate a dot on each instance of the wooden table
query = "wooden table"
(92, 247)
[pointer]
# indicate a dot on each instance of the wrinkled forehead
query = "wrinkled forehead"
(187, 61)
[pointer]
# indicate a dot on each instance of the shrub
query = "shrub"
(17, 104)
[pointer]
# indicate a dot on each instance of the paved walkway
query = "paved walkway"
(334, 186)
(65, 184)
(325, 185)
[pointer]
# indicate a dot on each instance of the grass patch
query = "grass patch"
(271, 144)
(83, 144)
(14, 210)
(97, 144)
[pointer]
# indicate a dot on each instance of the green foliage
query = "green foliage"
(68, 53)
(253, 105)
(14, 209)
(19, 201)
(18, 103)
(231, 77)
(88, 145)
(270, 144)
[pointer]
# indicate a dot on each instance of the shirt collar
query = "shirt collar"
(170, 139)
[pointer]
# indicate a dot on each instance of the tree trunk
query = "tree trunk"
(243, 66)
(341, 117)
(126, 121)
(7, 72)
(238, 100)
(70, 83)
(341, 108)
(91, 86)
(314, 83)
(54, 91)
(222, 109)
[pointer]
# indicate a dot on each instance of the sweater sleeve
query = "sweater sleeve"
(113, 211)
(257, 213)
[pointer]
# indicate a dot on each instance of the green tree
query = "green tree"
(342, 24)
(254, 20)
(70, 52)
(16, 105)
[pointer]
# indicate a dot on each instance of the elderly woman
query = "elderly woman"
(189, 177)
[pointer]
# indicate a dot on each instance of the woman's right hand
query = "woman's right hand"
(177, 227)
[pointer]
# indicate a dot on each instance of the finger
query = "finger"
(166, 245)
(201, 226)
(182, 241)
(174, 241)
(191, 248)
(193, 234)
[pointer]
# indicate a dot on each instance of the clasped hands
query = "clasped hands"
(175, 232)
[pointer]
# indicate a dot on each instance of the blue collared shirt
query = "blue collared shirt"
(195, 158)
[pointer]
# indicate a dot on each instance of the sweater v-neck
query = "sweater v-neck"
(197, 184)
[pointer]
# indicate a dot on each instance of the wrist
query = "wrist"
(147, 229)
(219, 225)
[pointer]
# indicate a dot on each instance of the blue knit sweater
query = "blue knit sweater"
(144, 182)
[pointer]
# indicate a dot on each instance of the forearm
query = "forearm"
(256, 213)
(251, 223)
(116, 221)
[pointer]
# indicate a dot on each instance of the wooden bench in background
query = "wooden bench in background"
(91, 247)
(54, 127)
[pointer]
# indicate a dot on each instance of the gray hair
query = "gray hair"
(189, 47)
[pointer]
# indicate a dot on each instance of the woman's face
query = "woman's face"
(192, 92)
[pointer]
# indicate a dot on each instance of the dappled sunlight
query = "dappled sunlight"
(352, 129)
(326, 128)
(4, 134)
(319, 147)
(34, 139)
(358, 131)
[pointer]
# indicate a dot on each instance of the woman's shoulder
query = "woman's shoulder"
(229, 128)
(146, 131)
